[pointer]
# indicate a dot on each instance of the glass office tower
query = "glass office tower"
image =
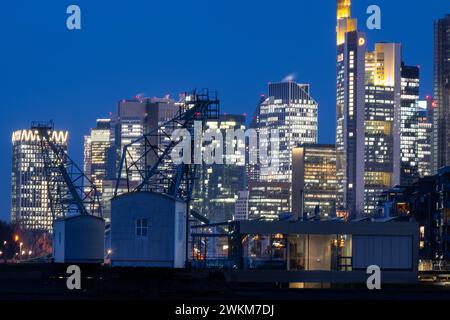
(382, 122)
(99, 161)
(218, 185)
(441, 125)
(409, 125)
(314, 183)
(30, 195)
(288, 117)
(424, 137)
(293, 113)
(350, 73)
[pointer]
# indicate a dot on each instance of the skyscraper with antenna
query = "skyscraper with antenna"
(350, 103)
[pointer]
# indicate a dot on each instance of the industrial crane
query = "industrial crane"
(153, 170)
(70, 191)
(153, 166)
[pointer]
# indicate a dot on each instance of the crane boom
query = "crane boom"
(173, 180)
(70, 191)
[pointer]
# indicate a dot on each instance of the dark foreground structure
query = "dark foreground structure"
(301, 253)
(48, 282)
(428, 201)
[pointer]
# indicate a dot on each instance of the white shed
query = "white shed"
(148, 230)
(79, 239)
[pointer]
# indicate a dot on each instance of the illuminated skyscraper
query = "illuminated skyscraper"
(291, 110)
(409, 125)
(345, 23)
(99, 161)
(241, 206)
(129, 126)
(268, 200)
(424, 137)
(30, 201)
(136, 117)
(253, 170)
(382, 122)
(350, 72)
(441, 125)
(314, 183)
(218, 185)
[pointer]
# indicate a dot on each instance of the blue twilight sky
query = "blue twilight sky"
(160, 47)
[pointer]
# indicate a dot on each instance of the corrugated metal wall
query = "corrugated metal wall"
(387, 252)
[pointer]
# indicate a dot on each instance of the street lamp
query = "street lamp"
(16, 238)
(21, 252)
(4, 248)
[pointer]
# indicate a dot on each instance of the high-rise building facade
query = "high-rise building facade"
(130, 126)
(409, 125)
(314, 183)
(136, 117)
(241, 207)
(441, 125)
(99, 161)
(218, 185)
(253, 170)
(267, 200)
(31, 194)
(350, 109)
(293, 113)
(424, 137)
(382, 122)
(286, 118)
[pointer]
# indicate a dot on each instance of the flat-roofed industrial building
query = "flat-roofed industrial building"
(317, 251)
